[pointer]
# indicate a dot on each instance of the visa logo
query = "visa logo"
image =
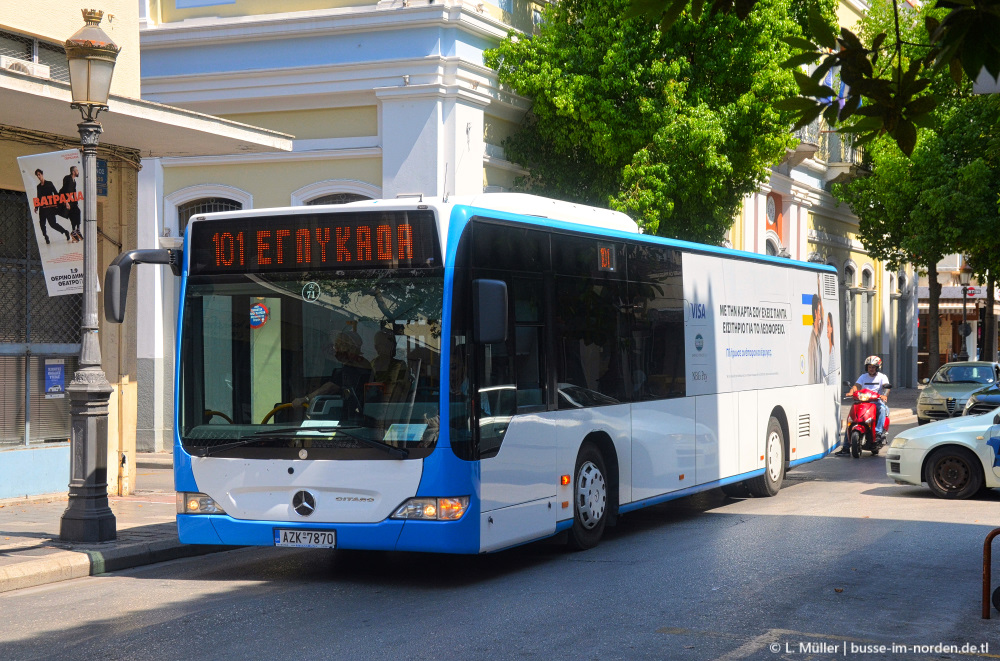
(697, 310)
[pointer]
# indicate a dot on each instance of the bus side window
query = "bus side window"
(496, 402)
(591, 336)
(529, 368)
(658, 358)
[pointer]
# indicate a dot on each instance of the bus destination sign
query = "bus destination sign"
(337, 241)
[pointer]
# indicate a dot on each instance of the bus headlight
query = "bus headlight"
(433, 509)
(197, 503)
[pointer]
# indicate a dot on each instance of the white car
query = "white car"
(956, 457)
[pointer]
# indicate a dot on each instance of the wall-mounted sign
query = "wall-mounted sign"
(54, 188)
(102, 178)
(55, 378)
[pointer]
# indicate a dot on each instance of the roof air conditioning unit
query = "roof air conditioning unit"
(24, 66)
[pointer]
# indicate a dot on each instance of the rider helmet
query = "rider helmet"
(873, 360)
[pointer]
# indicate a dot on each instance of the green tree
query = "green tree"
(940, 200)
(962, 36)
(972, 137)
(674, 128)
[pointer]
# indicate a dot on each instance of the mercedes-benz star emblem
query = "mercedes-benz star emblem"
(304, 503)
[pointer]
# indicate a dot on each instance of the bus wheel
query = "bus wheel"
(769, 483)
(590, 499)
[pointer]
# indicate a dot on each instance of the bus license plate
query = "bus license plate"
(306, 539)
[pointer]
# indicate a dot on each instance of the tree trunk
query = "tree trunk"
(989, 351)
(933, 350)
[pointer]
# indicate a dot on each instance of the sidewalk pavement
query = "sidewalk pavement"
(31, 552)
(902, 406)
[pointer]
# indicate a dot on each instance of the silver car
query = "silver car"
(950, 387)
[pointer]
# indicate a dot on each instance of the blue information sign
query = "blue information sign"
(55, 378)
(102, 177)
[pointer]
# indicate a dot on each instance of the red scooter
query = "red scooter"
(860, 433)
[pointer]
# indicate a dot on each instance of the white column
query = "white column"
(885, 302)
(432, 140)
(155, 318)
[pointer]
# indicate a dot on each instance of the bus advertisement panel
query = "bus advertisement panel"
(751, 325)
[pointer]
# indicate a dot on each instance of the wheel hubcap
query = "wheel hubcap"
(951, 473)
(591, 495)
(773, 457)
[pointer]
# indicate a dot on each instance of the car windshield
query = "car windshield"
(337, 366)
(965, 374)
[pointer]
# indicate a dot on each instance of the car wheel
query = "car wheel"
(736, 490)
(953, 473)
(769, 483)
(590, 499)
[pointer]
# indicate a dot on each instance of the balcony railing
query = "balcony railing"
(818, 141)
(837, 148)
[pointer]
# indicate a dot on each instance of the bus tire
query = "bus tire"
(590, 499)
(769, 483)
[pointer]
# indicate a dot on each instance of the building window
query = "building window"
(771, 248)
(338, 198)
(849, 275)
(204, 205)
(26, 48)
(866, 279)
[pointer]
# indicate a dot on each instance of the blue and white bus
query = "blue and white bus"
(464, 376)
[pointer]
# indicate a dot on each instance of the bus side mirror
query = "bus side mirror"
(489, 311)
(117, 276)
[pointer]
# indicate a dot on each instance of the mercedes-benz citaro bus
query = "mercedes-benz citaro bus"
(467, 375)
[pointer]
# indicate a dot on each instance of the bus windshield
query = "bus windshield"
(311, 365)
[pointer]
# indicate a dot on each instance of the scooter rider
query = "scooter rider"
(873, 380)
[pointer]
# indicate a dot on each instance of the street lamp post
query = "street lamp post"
(88, 518)
(964, 276)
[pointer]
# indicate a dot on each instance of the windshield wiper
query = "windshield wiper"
(205, 452)
(401, 453)
(296, 432)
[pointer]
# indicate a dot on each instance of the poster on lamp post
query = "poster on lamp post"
(53, 183)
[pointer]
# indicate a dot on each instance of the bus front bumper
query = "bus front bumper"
(460, 536)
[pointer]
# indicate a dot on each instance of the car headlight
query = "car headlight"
(197, 503)
(969, 404)
(932, 400)
(433, 509)
(898, 442)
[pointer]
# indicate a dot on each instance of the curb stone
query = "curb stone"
(66, 565)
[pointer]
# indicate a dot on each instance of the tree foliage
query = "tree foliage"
(962, 36)
(675, 128)
(940, 200)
